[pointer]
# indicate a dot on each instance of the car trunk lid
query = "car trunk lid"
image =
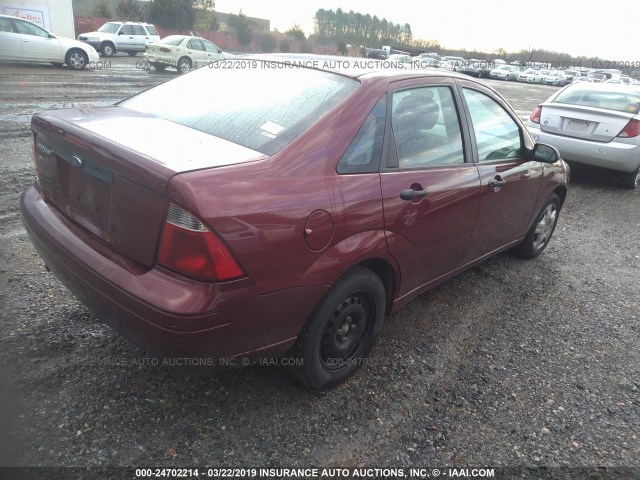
(107, 169)
(577, 121)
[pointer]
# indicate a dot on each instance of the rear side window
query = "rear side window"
(363, 154)
(628, 102)
(263, 108)
(152, 30)
(138, 30)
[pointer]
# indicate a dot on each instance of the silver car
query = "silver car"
(595, 124)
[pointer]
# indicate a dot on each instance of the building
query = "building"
(54, 15)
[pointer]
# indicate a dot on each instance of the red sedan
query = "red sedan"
(273, 209)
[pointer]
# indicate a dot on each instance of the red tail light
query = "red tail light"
(165, 49)
(191, 249)
(535, 116)
(631, 130)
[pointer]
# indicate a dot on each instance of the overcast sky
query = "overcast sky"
(605, 29)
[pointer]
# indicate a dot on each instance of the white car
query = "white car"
(114, 37)
(556, 77)
(24, 41)
(505, 72)
(183, 53)
(529, 75)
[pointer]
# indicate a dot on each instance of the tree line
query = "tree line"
(358, 29)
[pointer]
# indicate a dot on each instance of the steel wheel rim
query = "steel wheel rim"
(345, 333)
(544, 228)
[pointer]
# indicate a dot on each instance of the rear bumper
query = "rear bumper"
(165, 314)
(622, 157)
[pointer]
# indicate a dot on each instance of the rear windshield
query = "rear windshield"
(172, 40)
(628, 102)
(260, 105)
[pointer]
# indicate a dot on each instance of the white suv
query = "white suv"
(113, 37)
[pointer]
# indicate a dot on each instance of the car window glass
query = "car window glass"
(195, 44)
(175, 41)
(210, 47)
(6, 25)
(152, 30)
(363, 154)
(126, 30)
(138, 30)
(109, 28)
(497, 134)
(264, 109)
(27, 28)
(426, 127)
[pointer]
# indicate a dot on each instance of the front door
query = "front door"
(510, 182)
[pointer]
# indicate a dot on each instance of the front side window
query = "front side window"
(426, 127)
(210, 47)
(27, 28)
(497, 135)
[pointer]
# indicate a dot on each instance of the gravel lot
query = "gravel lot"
(513, 363)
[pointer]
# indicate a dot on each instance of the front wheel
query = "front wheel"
(107, 50)
(342, 330)
(540, 232)
(76, 59)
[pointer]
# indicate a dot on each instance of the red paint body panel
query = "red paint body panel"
(290, 221)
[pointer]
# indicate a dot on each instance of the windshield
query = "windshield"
(263, 108)
(109, 27)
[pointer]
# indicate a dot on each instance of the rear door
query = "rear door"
(509, 182)
(140, 37)
(430, 187)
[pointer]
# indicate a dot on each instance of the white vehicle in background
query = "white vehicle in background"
(528, 75)
(24, 41)
(556, 77)
(114, 37)
(183, 53)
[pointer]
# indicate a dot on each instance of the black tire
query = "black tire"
(159, 67)
(132, 54)
(341, 331)
(108, 49)
(632, 180)
(76, 59)
(184, 65)
(542, 229)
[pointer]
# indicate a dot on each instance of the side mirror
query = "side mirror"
(545, 153)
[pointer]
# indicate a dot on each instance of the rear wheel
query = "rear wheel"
(132, 54)
(76, 59)
(632, 180)
(540, 232)
(342, 330)
(184, 65)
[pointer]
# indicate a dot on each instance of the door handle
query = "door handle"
(410, 194)
(496, 183)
